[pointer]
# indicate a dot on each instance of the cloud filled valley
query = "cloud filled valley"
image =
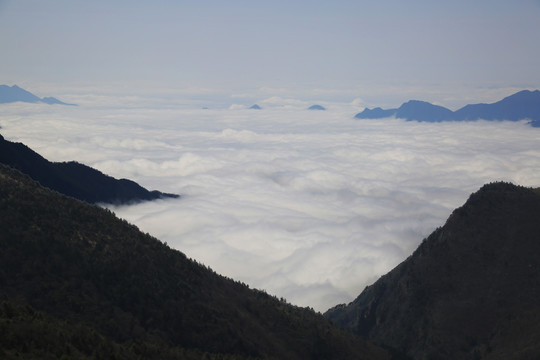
(310, 206)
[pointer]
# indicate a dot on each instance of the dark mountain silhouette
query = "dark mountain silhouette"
(522, 105)
(316, 107)
(51, 101)
(74, 179)
(470, 290)
(411, 110)
(14, 93)
(423, 111)
(376, 113)
(255, 107)
(76, 281)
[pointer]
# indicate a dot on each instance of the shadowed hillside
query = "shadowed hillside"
(74, 179)
(470, 291)
(66, 265)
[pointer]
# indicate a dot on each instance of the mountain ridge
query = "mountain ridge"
(10, 94)
(469, 291)
(75, 179)
(522, 105)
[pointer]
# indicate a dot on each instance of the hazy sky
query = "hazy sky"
(382, 52)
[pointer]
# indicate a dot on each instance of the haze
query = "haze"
(382, 52)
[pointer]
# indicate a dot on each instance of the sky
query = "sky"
(309, 206)
(381, 53)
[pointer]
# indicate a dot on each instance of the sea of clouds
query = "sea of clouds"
(311, 206)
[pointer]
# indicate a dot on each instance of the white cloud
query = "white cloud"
(237, 107)
(309, 206)
(277, 100)
(358, 102)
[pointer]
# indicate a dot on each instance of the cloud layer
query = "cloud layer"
(310, 206)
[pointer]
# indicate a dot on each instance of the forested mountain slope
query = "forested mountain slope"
(470, 291)
(96, 287)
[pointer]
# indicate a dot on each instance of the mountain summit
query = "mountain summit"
(522, 105)
(9, 94)
(470, 290)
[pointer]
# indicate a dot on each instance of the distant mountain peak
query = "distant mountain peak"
(10, 94)
(316, 107)
(522, 105)
(52, 100)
